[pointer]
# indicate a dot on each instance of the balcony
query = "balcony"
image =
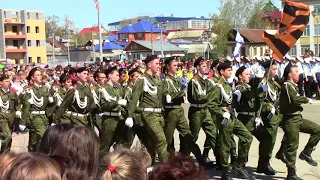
(13, 21)
(16, 50)
(15, 36)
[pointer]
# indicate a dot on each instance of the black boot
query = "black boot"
(204, 164)
(218, 164)
(240, 169)
(234, 158)
(225, 174)
(280, 154)
(306, 155)
(292, 174)
(265, 168)
(205, 155)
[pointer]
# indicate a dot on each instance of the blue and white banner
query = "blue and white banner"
(239, 42)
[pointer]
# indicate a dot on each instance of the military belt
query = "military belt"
(37, 112)
(113, 114)
(247, 113)
(76, 114)
(173, 107)
(5, 111)
(152, 109)
(199, 105)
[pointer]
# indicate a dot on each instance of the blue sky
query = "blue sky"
(83, 12)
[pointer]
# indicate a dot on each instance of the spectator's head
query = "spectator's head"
(123, 164)
(90, 77)
(134, 74)
(22, 75)
(79, 147)
(177, 168)
(32, 166)
(65, 81)
(5, 161)
(52, 136)
(122, 75)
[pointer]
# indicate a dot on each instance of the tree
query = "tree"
(232, 14)
(257, 21)
(52, 25)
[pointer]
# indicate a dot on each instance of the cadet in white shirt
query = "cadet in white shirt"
(307, 67)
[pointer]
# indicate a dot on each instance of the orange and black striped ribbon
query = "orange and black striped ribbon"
(294, 20)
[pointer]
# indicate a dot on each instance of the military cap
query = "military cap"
(267, 63)
(110, 70)
(150, 58)
(31, 73)
(169, 60)
(240, 70)
(132, 71)
(287, 70)
(214, 63)
(80, 70)
(198, 61)
(4, 76)
(224, 66)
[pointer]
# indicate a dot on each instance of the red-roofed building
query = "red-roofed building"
(274, 18)
(94, 29)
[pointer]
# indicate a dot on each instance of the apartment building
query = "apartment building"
(22, 36)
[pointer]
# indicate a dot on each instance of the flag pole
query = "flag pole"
(100, 35)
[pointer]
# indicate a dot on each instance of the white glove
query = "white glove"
(52, 124)
(168, 98)
(273, 111)
(50, 99)
(226, 115)
(258, 122)
(310, 101)
(265, 87)
(239, 94)
(18, 114)
(129, 122)
(30, 101)
(122, 102)
(22, 127)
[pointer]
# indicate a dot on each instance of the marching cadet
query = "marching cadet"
(247, 106)
(293, 122)
(270, 116)
(149, 91)
(35, 102)
(76, 105)
(60, 93)
(111, 105)
(229, 125)
(9, 109)
(212, 84)
(174, 112)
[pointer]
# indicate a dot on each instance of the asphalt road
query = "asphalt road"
(304, 170)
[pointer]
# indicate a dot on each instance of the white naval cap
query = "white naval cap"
(307, 60)
(237, 59)
(229, 58)
(287, 56)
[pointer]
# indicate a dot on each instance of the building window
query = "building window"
(139, 35)
(5, 28)
(28, 15)
(317, 29)
(37, 29)
(15, 43)
(29, 60)
(29, 43)
(15, 29)
(17, 61)
(307, 31)
(38, 43)
(38, 60)
(37, 15)
(293, 51)
(28, 29)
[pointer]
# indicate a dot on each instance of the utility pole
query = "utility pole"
(53, 39)
(93, 48)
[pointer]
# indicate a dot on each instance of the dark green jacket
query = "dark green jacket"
(173, 87)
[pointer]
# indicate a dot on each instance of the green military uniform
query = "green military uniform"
(35, 103)
(9, 105)
(269, 100)
(149, 90)
(76, 106)
(199, 114)
(232, 126)
(111, 116)
(293, 123)
(96, 99)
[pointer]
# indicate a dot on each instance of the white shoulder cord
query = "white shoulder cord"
(199, 88)
(96, 98)
(171, 83)
(81, 104)
(225, 96)
(149, 88)
(286, 83)
(35, 100)
(130, 90)
(272, 94)
(212, 82)
(106, 95)
(59, 98)
(4, 106)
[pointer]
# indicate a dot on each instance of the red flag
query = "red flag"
(294, 20)
(96, 2)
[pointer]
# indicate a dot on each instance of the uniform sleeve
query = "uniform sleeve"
(25, 120)
(170, 90)
(293, 96)
(216, 101)
(266, 107)
(17, 103)
(136, 93)
(65, 104)
(194, 95)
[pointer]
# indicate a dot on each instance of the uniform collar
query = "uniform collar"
(5, 91)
